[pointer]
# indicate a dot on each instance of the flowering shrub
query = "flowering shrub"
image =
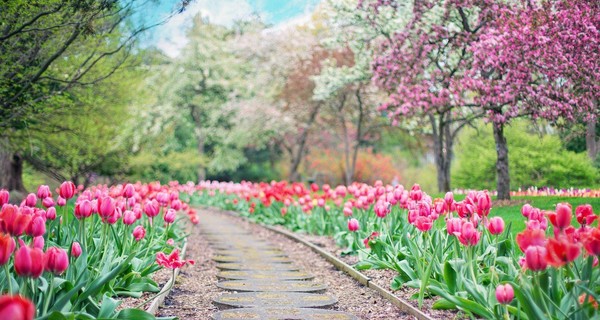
(456, 250)
(73, 254)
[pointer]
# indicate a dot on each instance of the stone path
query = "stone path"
(262, 282)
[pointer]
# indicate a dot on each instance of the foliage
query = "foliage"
(535, 160)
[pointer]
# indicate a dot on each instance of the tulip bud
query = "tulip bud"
(51, 213)
(139, 233)
(170, 216)
(57, 260)
(37, 226)
(496, 225)
(75, 250)
(535, 258)
(29, 262)
(61, 202)
(563, 215)
(16, 308)
(43, 192)
(505, 293)
(526, 210)
(353, 225)
(67, 190)
(31, 200)
(4, 197)
(171, 242)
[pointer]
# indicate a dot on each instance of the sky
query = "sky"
(171, 38)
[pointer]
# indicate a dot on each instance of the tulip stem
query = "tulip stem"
(49, 297)
(8, 278)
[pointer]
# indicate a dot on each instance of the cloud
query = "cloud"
(171, 37)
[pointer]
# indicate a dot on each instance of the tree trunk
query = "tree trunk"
(442, 144)
(502, 172)
(301, 145)
(592, 143)
(11, 170)
(195, 112)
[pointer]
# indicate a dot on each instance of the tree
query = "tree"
(540, 60)
(422, 66)
(49, 47)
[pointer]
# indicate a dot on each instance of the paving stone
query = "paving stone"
(275, 299)
(251, 259)
(257, 266)
(268, 286)
(251, 252)
(282, 314)
(264, 275)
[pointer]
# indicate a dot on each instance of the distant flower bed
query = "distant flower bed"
(544, 192)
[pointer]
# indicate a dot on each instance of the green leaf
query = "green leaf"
(108, 307)
(528, 305)
(463, 303)
(517, 313)
(134, 314)
(450, 277)
(397, 283)
(443, 304)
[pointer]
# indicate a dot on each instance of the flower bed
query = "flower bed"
(75, 259)
(454, 250)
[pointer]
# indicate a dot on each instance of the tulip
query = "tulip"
(31, 200)
(176, 204)
(7, 246)
(4, 197)
(382, 209)
(469, 236)
(139, 233)
(353, 225)
(171, 242)
(13, 221)
(531, 237)
(585, 214)
(51, 213)
(526, 210)
(29, 262)
(43, 192)
(370, 238)
(152, 208)
(83, 209)
(75, 250)
(505, 293)
(129, 217)
(415, 193)
(61, 202)
(16, 308)
(496, 225)
(424, 224)
(37, 226)
(170, 216)
(48, 202)
(128, 191)
(67, 190)
(535, 258)
(171, 261)
(38, 242)
(563, 215)
(591, 242)
(561, 251)
(106, 207)
(484, 203)
(348, 211)
(57, 260)
(162, 198)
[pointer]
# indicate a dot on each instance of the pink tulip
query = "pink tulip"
(76, 250)
(61, 202)
(170, 216)
(162, 198)
(43, 192)
(67, 190)
(535, 258)
(505, 293)
(29, 262)
(16, 308)
(469, 236)
(176, 204)
(48, 202)
(382, 209)
(51, 213)
(83, 209)
(129, 217)
(454, 225)
(57, 260)
(37, 226)
(563, 215)
(139, 233)
(128, 191)
(151, 208)
(496, 225)
(31, 200)
(424, 224)
(353, 225)
(38, 242)
(105, 207)
(171, 242)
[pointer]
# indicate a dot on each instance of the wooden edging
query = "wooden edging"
(166, 289)
(341, 265)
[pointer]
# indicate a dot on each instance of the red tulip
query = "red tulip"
(139, 233)
(171, 261)
(4, 197)
(585, 214)
(16, 308)
(76, 250)
(505, 293)
(57, 260)
(531, 237)
(67, 190)
(353, 225)
(13, 221)
(561, 251)
(29, 262)
(43, 192)
(7, 246)
(535, 258)
(496, 225)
